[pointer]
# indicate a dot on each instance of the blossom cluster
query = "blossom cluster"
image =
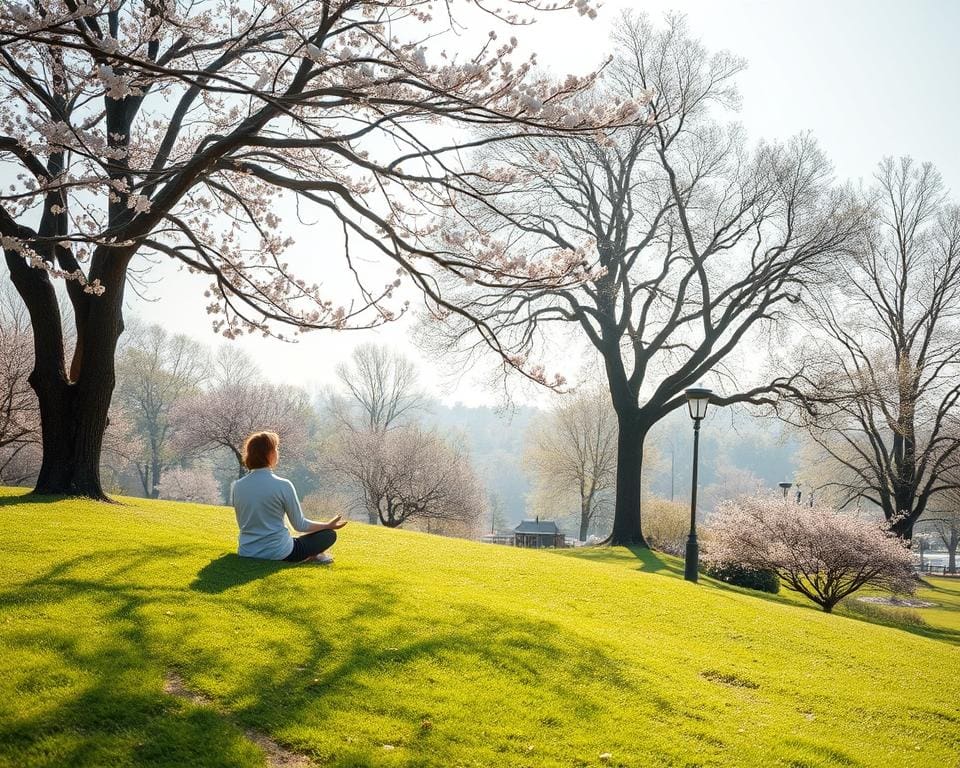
(179, 125)
(818, 551)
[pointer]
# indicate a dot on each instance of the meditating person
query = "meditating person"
(261, 499)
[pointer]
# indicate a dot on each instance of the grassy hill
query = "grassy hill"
(131, 635)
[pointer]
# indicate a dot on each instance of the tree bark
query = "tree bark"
(73, 411)
(627, 528)
(584, 524)
(904, 527)
(74, 415)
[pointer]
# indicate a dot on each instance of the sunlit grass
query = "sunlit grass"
(941, 621)
(420, 651)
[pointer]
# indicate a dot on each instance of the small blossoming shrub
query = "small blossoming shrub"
(816, 551)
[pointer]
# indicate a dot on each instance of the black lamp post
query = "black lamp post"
(698, 399)
(786, 487)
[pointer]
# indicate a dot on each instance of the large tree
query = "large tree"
(172, 128)
(689, 240)
(881, 380)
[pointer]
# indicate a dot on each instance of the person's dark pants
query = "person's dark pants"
(311, 544)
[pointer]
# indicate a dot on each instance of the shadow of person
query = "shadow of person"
(231, 570)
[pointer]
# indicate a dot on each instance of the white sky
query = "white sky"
(869, 78)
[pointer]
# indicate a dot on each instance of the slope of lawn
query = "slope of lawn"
(130, 635)
(941, 620)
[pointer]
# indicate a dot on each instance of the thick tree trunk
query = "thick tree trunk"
(73, 413)
(904, 528)
(73, 419)
(627, 529)
(952, 554)
(584, 524)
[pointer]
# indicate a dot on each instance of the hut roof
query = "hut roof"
(546, 527)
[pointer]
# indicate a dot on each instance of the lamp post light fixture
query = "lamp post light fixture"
(698, 399)
(786, 487)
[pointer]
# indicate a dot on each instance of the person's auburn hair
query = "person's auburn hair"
(257, 449)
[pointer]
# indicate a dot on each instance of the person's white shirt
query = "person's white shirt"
(261, 500)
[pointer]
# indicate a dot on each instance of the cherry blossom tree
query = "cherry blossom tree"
(173, 129)
(691, 242)
(823, 554)
(224, 415)
(194, 484)
(411, 474)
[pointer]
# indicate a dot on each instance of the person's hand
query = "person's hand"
(336, 523)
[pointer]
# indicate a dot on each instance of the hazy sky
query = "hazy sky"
(868, 78)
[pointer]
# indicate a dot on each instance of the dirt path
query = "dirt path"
(278, 756)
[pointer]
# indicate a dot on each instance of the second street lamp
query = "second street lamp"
(698, 399)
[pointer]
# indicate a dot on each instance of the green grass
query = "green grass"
(941, 622)
(419, 651)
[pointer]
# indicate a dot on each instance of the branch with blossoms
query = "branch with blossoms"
(171, 129)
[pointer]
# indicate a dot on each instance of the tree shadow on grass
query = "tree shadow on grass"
(83, 700)
(28, 497)
(231, 570)
(279, 661)
(656, 562)
(638, 558)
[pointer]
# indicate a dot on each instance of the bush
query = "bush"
(741, 576)
(666, 525)
(816, 551)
